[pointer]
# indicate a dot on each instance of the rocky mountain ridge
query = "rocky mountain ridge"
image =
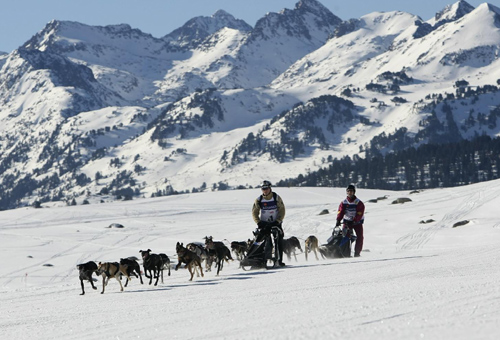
(91, 113)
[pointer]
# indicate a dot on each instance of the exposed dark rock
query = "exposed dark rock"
(461, 223)
(401, 200)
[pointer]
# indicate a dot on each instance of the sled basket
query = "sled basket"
(258, 254)
(338, 245)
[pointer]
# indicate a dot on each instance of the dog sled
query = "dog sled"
(263, 250)
(339, 245)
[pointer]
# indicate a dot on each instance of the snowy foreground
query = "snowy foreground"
(413, 280)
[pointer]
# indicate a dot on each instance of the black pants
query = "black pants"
(276, 233)
(280, 237)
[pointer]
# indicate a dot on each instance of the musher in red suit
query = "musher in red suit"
(352, 210)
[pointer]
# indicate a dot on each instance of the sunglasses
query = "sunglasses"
(265, 188)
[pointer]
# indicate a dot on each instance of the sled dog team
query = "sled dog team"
(268, 209)
(193, 255)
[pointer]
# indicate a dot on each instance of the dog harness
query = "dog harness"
(108, 273)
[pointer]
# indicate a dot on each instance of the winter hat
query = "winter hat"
(265, 185)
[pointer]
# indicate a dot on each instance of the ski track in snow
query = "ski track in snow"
(472, 201)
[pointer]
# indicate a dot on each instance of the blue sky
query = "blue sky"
(21, 19)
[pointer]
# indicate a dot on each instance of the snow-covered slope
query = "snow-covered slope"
(418, 276)
(125, 60)
(193, 32)
(247, 59)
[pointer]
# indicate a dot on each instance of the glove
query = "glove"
(275, 224)
(262, 224)
(337, 224)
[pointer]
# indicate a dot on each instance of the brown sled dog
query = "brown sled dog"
(112, 270)
(311, 245)
(204, 254)
(188, 257)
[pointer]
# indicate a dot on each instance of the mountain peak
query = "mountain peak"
(309, 18)
(67, 36)
(194, 31)
(222, 14)
(452, 12)
(493, 8)
(310, 5)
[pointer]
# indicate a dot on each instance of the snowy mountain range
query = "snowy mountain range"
(90, 112)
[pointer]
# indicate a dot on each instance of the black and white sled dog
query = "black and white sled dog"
(166, 264)
(85, 271)
(199, 249)
(133, 268)
(153, 265)
(239, 248)
(290, 245)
